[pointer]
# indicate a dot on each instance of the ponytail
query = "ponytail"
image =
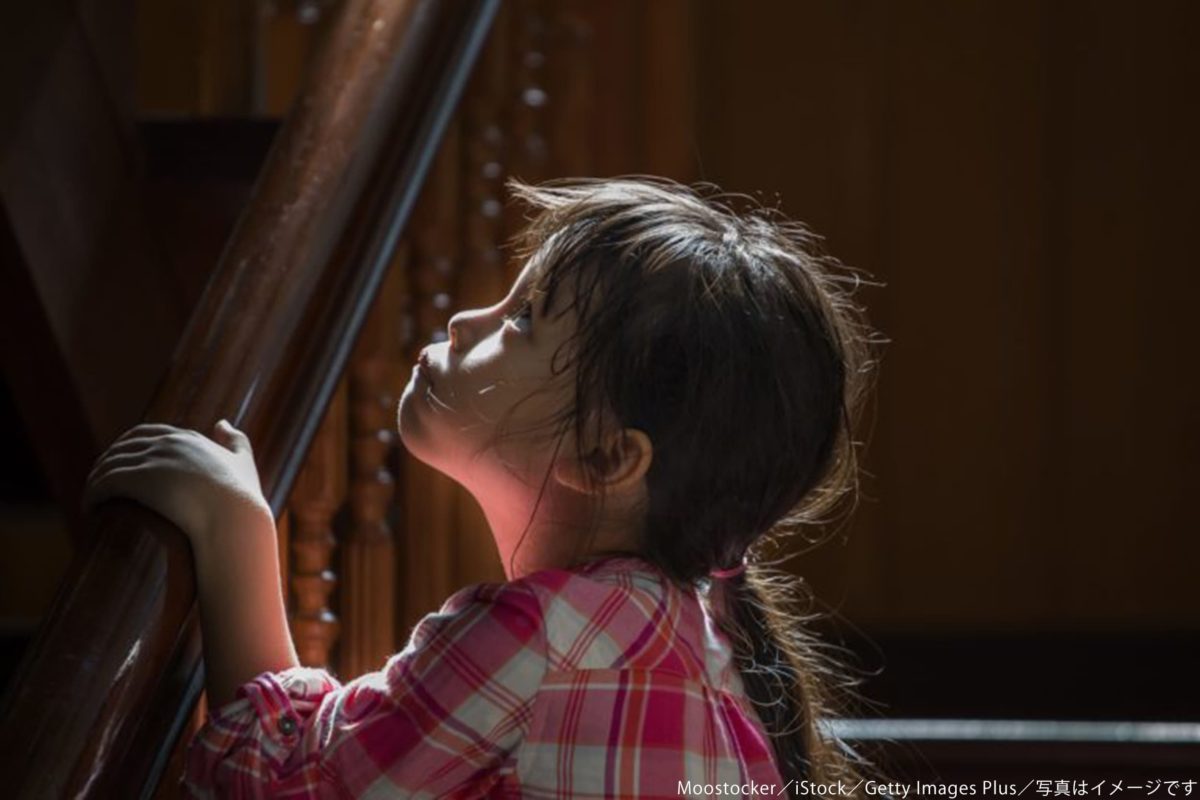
(713, 307)
(782, 666)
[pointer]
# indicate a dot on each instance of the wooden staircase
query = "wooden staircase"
(110, 682)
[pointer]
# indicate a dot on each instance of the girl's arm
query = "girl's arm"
(210, 489)
(440, 719)
(242, 614)
(443, 718)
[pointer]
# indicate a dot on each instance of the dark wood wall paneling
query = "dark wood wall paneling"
(1021, 176)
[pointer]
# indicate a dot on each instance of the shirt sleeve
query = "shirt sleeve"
(443, 716)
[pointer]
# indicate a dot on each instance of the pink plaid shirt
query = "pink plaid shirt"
(602, 681)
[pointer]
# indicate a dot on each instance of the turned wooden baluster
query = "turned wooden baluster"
(368, 551)
(429, 503)
(571, 112)
(529, 155)
(532, 84)
(318, 493)
(525, 101)
(481, 279)
(484, 153)
(403, 329)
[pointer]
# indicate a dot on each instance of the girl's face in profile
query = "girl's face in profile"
(497, 359)
(496, 368)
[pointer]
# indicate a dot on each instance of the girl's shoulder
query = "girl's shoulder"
(598, 581)
(617, 612)
(613, 612)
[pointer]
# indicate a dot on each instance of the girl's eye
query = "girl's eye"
(524, 312)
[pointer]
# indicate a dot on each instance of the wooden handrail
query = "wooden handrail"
(108, 685)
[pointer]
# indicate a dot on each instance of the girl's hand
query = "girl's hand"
(210, 489)
(207, 487)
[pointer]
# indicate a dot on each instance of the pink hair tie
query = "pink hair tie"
(729, 573)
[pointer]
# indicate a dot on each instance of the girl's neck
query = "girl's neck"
(556, 539)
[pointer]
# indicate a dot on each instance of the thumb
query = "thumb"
(231, 436)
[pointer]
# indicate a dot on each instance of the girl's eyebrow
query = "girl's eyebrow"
(534, 296)
(544, 299)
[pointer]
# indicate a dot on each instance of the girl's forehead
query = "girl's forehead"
(552, 285)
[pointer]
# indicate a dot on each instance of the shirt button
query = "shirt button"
(287, 725)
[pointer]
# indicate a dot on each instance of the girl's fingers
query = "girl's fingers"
(130, 445)
(136, 448)
(114, 460)
(123, 468)
(112, 483)
(149, 431)
(148, 428)
(130, 440)
(145, 436)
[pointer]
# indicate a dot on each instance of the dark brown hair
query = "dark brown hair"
(721, 331)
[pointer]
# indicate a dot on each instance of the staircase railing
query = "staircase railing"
(108, 685)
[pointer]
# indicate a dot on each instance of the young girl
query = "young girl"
(670, 385)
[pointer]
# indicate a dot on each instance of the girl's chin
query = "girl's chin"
(408, 426)
(412, 426)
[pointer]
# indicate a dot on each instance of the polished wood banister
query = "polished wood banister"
(107, 686)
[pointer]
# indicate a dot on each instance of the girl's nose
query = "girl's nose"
(454, 333)
(467, 326)
(459, 332)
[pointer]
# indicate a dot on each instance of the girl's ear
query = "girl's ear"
(619, 464)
